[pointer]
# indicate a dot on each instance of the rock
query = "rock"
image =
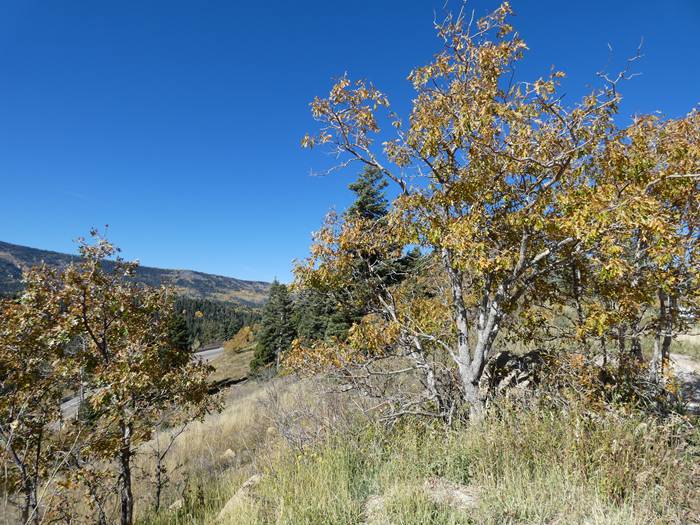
(374, 511)
(449, 494)
(242, 497)
(440, 491)
(228, 455)
(506, 370)
(177, 504)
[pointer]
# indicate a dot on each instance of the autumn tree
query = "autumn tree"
(32, 379)
(134, 373)
(499, 181)
(644, 277)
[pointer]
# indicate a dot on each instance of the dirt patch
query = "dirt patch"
(687, 370)
(440, 491)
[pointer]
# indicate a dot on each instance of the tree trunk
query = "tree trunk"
(664, 335)
(29, 469)
(636, 348)
(125, 495)
(471, 362)
(622, 341)
(417, 354)
(30, 508)
(159, 485)
(474, 399)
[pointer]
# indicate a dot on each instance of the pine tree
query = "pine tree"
(178, 333)
(350, 304)
(311, 313)
(277, 328)
(370, 202)
(327, 314)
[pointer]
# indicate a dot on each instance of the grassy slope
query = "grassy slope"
(527, 467)
(322, 462)
(233, 364)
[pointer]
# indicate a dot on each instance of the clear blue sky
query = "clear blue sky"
(178, 123)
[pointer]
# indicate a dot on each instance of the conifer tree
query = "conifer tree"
(370, 202)
(277, 331)
(311, 313)
(328, 313)
(178, 332)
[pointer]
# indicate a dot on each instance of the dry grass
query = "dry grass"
(232, 364)
(322, 463)
(539, 466)
(688, 345)
(260, 422)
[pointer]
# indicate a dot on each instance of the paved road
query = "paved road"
(69, 408)
(208, 355)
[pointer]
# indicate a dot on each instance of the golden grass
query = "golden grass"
(537, 466)
(232, 364)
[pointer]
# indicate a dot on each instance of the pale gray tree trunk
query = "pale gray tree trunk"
(471, 361)
(664, 335)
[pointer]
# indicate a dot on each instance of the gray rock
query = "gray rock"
(242, 496)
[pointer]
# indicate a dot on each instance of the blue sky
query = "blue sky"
(178, 123)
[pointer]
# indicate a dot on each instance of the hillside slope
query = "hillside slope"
(14, 259)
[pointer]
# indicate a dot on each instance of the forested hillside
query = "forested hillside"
(213, 321)
(14, 259)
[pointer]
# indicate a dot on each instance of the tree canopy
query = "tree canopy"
(509, 190)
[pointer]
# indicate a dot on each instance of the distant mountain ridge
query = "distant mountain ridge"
(15, 258)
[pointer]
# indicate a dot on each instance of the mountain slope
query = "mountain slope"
(14, 259)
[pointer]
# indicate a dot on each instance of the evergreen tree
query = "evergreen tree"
(325, 314)
(311, 313)
(179, 334)
(209, 321)
(277, 329)
(370, 202)
(350, 304)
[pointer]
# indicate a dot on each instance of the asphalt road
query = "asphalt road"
(208, 355)
(69, 408)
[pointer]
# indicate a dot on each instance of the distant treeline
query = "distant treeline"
(208, 321)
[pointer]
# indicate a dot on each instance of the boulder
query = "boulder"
(228, 455)
(374, 511)
(243, 496)
(440, 491)
(177, 504)
(507, 370)
(449, 494)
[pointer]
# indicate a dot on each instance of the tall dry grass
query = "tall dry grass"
(534, 466)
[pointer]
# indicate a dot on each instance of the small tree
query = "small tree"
(370, 201)
(329, 312)
(135, 374)
(179, 335)
(31, 386)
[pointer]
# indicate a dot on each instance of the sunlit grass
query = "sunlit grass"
(541, 466)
